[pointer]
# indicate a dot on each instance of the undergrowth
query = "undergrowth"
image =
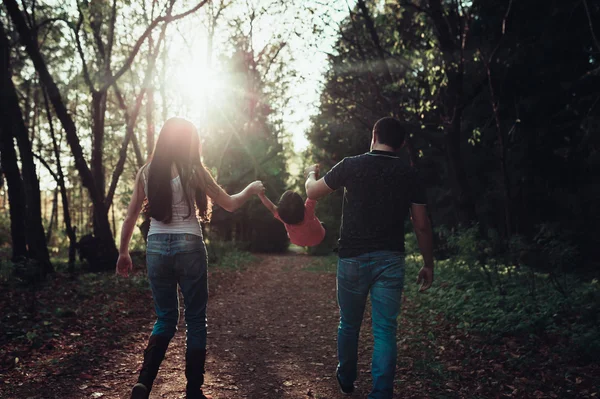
(509, 306)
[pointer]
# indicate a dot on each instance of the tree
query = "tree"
(244, 138)
(103, 231)
(13, 126)
(92, 178)
(498, 116)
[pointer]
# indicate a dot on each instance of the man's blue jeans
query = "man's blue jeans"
(174, 259)
(381, 274)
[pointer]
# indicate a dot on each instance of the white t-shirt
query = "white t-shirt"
(179, 223)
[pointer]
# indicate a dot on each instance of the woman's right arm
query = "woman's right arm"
(124, 264)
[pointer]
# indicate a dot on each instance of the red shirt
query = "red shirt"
(307, 233)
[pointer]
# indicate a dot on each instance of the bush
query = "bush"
(226, 254)
(463, 296)
(268, 234)
(252, 225)
(5, 237)
(328, 210)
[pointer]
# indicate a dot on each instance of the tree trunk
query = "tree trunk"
(447, 29)
(63, 190)
(98, 120)
(375, 39)
(150, 102)
(150, 122)
(459, 185)
(53, 216)
(16, 194)
(13, 124)
(163, 87)
(103, 232)
(99, 99)
(132, 118)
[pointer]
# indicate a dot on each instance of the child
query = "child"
(303, 227)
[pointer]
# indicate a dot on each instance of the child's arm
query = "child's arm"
(267, 203)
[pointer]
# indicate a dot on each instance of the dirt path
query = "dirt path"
(272, 334)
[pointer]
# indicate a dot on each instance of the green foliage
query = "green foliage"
(558, 247)
(243, 145)
(227, 255)
(24, 272)
(268, 234)
(526, 129)
(327, 210)
(462, 295)
(322, 264)
(5, 237)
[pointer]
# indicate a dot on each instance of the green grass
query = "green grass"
(235, 260)
(512, 307)
(227, 256)
(322, 264)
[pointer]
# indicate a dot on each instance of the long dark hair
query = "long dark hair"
(178, 144)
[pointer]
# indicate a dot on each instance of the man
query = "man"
(379, 192)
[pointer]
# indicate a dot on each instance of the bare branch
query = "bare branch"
(375, 38)
(132, 118)
(587, 12)
(493, 54)
(111, 37)
(52, 20)
(136, 48)
(86, 73)
(274, 57)
(138, 154)
(416, 7)
(45, 165)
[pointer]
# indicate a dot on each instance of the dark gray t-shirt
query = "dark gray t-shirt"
(379, 188)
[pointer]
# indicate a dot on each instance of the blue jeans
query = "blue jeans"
(381, 274)
(174, 259)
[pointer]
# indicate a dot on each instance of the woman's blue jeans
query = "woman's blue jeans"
(382, 275)
(179, 259)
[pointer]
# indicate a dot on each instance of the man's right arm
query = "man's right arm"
(318, 188)
(315, 188)
(422, 227)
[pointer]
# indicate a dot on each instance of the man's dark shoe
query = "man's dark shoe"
(345, 389)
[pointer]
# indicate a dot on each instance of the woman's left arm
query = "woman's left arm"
(124, 263)
(232, 202)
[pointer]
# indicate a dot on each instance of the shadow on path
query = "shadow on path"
(272, 334)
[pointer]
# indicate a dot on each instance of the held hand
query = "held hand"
(256, 187)
(312, 168)
(124, 265)
(425, 278)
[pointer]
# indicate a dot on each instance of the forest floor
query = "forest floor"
(272, 334)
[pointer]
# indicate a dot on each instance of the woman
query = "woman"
(178, 190)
